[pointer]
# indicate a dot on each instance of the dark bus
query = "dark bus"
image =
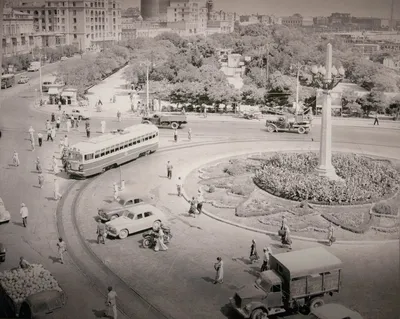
(7, 80)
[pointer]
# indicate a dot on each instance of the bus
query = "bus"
(7, 80)
(101, 153)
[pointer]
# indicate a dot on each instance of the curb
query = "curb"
(269, 233)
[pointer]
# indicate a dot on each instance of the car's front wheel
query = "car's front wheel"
(113, 217)
(123, 234)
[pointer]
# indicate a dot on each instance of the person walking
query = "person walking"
(253, 252)
(62, 248)
(59, 105)
(53, 132)
(48, 124)
(53, 117)
(41, 180)
(58, 123)
(267, 253)
(31, 135)
(103, 126)
(176, 135)
(376, 121)
(24, 214)
(116, 191)
(111, 303)
(15, 159)
(72, 122)
(101, 232)
(66, 142)
(49, 135)
(205, 112)
(40, 139)
(119, 116)
(193, 208)
(57, 194)
(331, 238)
(200, 201)
(179, 187)
(38, 165)
(169, 169)
(190, 134)
(88, 131)
(69, 125)
(219, 268)
(285, 236)
(54, 165)
(32, 145)
(160, 245)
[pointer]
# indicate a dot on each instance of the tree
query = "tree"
(174, 38)
(394, 107)
(372, 102)
(348, 97)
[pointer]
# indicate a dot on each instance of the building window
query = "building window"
(74, 20)
(74, 12)
(62, 12)
(75, 36)
(63, 20)
(73, 4)
(49, 11)
(43, 21)
(55, 11)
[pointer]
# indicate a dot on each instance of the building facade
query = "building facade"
(295, 20)
(188, 17)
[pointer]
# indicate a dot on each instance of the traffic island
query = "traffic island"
(250, 191)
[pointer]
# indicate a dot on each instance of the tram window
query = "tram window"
(146, 138)
(126, 145)
(112, 150)
(154, 135)
(130, 142)
(103, 152)
(138, 141)
(97, 155)
(88, 157)
(134, 142)
(107, 150)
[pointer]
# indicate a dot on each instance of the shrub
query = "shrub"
(211, 189)
(383, 209)
(293, 176)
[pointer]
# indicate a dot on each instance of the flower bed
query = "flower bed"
(292, 176)
(357, 221)
(237, 185)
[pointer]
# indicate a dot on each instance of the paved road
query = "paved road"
(179, 280)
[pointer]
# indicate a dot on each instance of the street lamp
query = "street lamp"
(147, 64)
(327, 78)
(298, 67)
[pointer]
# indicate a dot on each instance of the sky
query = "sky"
(360, 8)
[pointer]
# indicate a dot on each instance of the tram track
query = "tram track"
(131, 302)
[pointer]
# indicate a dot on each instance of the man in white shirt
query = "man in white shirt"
(112, 302)
(24, 214)
(179, 187)
(200, 201)
(103, 126)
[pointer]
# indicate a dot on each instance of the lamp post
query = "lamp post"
(298, 67)
(327, 78)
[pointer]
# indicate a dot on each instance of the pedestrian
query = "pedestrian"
(49, 134)
(176, 135)
(33, 144)
(103, 126)
(285, 236)
(63, 117)
(87, 124)
(40, 139)
(24, 214)
(38, 165)
(205, 112)
(169, 170)
(376, 121)
(15, 159)
(23, 264)
(193, 207)
(179, 187)
(219, 268)
(190, 134)
(200, 201)
(57, 194)
(77, 121)
(100, 102)
(66, 142)
(69, 124)
(62, 248)
(61, 145)
(116, 191)
(267, 253)
(114, 98)
(253, 252)
(160, 245)
(54, 164)
(53, 117)
(88, 132)
(48, 124)
(101, 232)
(41, 180)
(72, 122)
(58, 123)
(111, 303)
(59, 105)
(53, 132)
(31, 136)
(119, 116)
(331, 238)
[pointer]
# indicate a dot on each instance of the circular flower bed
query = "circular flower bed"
(292, 176)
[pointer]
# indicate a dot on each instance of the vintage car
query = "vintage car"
(117, 210)
(333, 311)
(139, 218)
(4, 214)
(77, 114)
(23, 79)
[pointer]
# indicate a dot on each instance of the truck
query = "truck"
(166, 120)
(7, 81)
(31, 292)
(34, 66)
(288, 123)
(296, 282)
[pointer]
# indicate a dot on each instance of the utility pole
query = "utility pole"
(267, 64)
(147, 87)
(40, 75)
(391, 22)
(1, 42)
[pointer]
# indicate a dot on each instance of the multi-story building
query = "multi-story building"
(248, 20)
(82, 23)
(321, 21)
(295, 20)
(367, 48)
(307, 22)
(220, 22)
(367, 23)
(18, 32)
(390, 46)
(188, 17)
(392, 64)
(340, 18)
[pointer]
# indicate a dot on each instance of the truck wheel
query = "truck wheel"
(315, 303)
(174, 125)
(259, 314)
(270, 129)
(301, 130)
(146, 122)
(114, 217)
(146, 243)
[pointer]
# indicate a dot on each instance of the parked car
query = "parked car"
(64, 58)
(333, 311)
(23, 79)
(115, 211)
(78, 114)
(139, 218)
(4, 214)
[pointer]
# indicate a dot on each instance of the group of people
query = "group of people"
(176, 135)
(254, 257)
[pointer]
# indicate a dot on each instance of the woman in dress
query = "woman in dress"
(38, 165)
(253, 252)
(160, 245)
(286, 240)
(219, 268)
(331, 238)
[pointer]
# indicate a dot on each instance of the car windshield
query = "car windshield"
(122, 202)
(264, 285)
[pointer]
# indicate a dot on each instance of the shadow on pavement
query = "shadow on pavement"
(92, 241)
(99, 313)
(55, 260)
(18, 224)
(245, 261)
(229, 312)
(208, 279)
(254, 271)
(51, 199)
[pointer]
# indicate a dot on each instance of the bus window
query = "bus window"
(88, 157)
(126, 145)
(138, 141)
(97, 155)
(103, 152)
(130, 142)
(134, 142)
(112, 150)
(75, 156)
(146, 138)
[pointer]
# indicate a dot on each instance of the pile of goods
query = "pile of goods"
(21, 283)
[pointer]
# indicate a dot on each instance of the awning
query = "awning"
(70, 94)
(53, 91)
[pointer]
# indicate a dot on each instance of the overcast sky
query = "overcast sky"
(365, 8)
